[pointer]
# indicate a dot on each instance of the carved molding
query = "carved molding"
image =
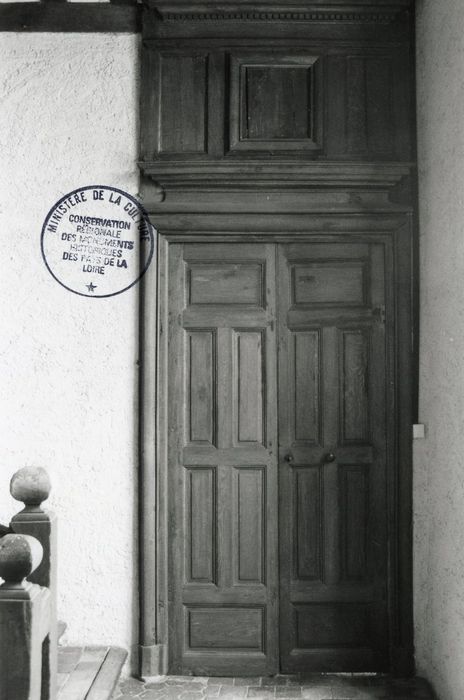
(281, 175)
(269, 16)
(359, 11)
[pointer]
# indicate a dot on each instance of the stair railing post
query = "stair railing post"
(31, 486)
(24, 619)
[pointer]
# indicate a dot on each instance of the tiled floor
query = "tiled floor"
(314, 687)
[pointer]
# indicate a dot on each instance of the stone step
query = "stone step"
(89, 673)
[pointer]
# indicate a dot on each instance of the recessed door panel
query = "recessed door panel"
(201, 379)
(340, 282)
(305, 386)
(354, 385)
(201, 525)
(229, 283)
(250, 400)
(277, 458)
(225, 629)
(354, 521)
(250, 525)
(307, 523)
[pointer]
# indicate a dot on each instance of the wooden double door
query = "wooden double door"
(277, 457)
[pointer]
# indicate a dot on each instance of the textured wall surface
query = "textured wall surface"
(439, 459)
(68, 118)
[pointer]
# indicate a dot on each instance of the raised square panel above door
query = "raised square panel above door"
(275, 102)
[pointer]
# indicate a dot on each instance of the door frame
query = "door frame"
(396, 230)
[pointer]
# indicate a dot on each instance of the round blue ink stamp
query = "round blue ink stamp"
(97, 241)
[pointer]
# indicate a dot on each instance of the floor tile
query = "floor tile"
(282, 687)
(254, 681)
(316, 692)
(349, 692)
(228, 691)
(316, 679)
(259, 692)
(274, 681)
(288, 692)
(131, 685)
(220, 680)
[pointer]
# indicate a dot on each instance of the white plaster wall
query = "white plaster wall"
(439, 459)
(68, 118)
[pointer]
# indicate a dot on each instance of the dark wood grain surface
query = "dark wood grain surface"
(290, 129)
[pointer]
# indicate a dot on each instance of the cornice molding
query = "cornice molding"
(357, 17)
(281, 175)
(360, 11)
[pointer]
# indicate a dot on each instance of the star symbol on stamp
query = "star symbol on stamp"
(91, 286)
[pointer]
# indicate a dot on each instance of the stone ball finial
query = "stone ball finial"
(31, 485)
(20, 555)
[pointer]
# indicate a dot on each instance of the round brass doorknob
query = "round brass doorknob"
(330, 457)
(288, 458)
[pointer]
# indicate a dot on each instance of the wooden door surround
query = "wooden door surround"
(282, 125)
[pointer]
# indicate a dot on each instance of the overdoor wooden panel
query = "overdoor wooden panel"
(276, 101)
(183, 103)
(332, 494)
(314, 94)
(369, 110)
(270, 96)
(369, 97)
(222, 461)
